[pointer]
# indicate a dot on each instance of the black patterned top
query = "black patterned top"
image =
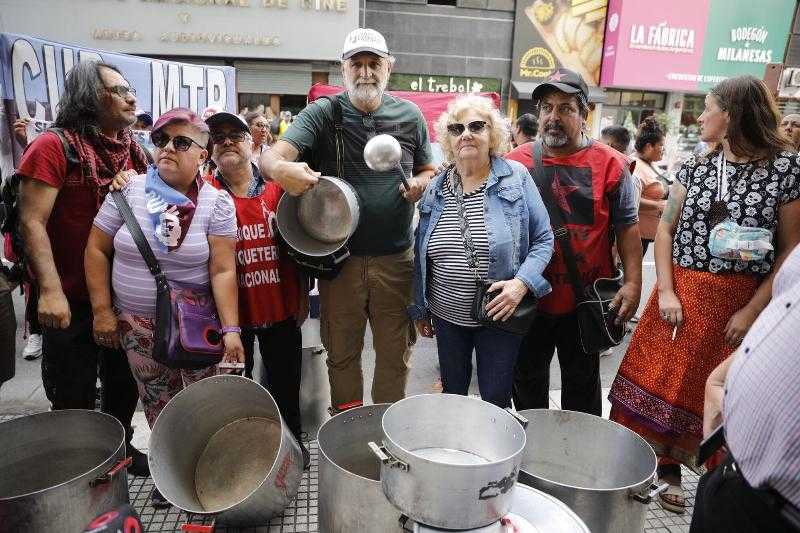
(756, 190)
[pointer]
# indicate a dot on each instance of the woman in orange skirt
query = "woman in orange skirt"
(709, 290)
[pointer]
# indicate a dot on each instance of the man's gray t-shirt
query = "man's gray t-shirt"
(385, 219)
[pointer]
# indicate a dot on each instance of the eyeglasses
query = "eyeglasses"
(122, 90)
(181, 143)
(476, 126)
(234, 136)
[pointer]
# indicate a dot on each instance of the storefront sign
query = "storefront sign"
(246, 29)
(789, 85)
(691, 45)
(442, 84)
(32, 73)
(549, 34)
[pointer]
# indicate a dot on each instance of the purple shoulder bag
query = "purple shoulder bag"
(188, 329)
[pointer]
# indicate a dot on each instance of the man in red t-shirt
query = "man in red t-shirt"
(59, 200)
(594, 191)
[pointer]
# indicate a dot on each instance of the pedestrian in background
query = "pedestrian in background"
(261, 137)
(525, 129)
(649, 145)
(617, 137)
(470, 210)
(706, 300)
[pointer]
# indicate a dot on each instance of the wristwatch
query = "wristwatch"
(230, 329)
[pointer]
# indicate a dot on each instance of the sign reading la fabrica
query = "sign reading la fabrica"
(691, 45)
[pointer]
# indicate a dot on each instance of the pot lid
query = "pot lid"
(532, 511)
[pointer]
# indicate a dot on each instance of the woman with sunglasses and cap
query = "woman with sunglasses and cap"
(191, 228)
(483, 217)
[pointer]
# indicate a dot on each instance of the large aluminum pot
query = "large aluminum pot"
(600, 469)
(450, 461)
(319, 222)
(221, 447)
(59, 470)
(531, 511)
(350, 496)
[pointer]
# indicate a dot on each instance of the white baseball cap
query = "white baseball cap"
(364, 40)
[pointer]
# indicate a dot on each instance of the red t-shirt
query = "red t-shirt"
(73, 210)
(269, 289)
(587, 186)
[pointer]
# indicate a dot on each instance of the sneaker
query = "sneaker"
(32, 350)
(139, 466)
(158, 501)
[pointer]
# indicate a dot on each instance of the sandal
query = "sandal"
(673, 499)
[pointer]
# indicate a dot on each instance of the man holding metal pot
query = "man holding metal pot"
(374, 283)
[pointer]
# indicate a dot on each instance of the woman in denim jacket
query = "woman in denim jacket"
(496, 204)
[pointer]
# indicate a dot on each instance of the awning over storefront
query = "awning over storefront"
(522, 90)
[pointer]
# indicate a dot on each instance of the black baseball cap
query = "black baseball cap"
(564, 80)
(223, 117)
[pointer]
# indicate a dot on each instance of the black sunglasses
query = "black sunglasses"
(181, 143)
(234, 136)
(476, 126)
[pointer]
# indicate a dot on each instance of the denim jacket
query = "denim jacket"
(517, 226)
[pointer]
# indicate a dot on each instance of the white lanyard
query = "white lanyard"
(722, 176)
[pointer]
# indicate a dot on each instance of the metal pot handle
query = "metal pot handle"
(655, 490)
(116, 469)
(387, 458)
(521, 419)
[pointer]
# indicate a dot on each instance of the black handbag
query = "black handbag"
(596, 321)
(520, 321)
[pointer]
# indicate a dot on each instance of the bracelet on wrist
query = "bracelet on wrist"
(231, 329)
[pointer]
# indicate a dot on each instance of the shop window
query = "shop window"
(630, 99)
(612, 97)
(442, 2)
(654, 100)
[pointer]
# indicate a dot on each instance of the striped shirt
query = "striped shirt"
(452, 281)
(134, 286)
(762, 392)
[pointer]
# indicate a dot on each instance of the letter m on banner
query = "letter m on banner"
(166, 87)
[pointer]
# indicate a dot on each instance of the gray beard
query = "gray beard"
(555, 140)
(367, 95)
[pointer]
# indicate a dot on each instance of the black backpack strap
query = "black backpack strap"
(336, 107)
(69, 151)
(556, 220)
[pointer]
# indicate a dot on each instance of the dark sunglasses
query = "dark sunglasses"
(476, 126)
(121, 90)
(181, 143)
(234, 136)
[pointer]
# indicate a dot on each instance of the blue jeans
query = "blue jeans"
(495, 353)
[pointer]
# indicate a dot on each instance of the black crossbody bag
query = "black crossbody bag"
(520, 321)
(596, 326)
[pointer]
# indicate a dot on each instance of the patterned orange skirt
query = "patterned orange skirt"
(659, 390)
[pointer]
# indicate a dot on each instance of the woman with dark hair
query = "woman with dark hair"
(259, 128)
(732, 217)
(649, 146)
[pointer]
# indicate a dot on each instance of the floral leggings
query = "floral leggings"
(157, 383)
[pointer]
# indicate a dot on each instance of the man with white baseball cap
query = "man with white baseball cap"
(374, 283)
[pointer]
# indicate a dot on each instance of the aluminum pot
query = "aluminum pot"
(600, 469)
(531, 510)
(450, 461)
(59, 470)
(351, 499)
(319, 222)
(220, 447)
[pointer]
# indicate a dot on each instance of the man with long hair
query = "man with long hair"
(61, 191)
(375, 283)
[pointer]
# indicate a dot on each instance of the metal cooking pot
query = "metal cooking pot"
(221, 447)
(59, 470)
(600, 469)
(531, 510)
(350, 496)
(450, 461)
(319, 222)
